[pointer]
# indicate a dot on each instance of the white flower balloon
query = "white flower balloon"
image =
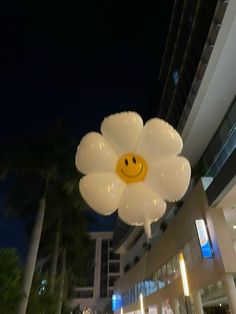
(132, 168)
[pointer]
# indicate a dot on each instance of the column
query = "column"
(97, 271)
(188, 305)
(230, 290)
(159, 310)
(197, 302)
(175, 306)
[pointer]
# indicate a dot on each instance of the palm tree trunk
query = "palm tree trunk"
(31, 258)
(53, 270)
(62, 283)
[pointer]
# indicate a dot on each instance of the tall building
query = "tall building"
(103, 269)
(198, 80)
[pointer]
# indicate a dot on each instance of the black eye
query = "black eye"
(126, 162)
(134, 160)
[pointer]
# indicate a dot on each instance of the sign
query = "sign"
(203, 238)
(116, 302)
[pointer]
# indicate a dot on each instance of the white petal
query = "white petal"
(102, 191)
(122, 131)
(158, 139)
(140, 204)
(94, 154)
(170, 177)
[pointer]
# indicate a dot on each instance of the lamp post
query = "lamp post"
(185, 283)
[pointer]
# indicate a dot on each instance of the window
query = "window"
(175, 266)
(113, 256)
(152, 286)
(112, 280)
(158, 280)
(104, 269)
(114, 267)
(164, 274)
(175, 76)
(169, 272)
(110, 243)
(87, 280)
(161, 282)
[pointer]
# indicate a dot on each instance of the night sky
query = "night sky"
(78, 60)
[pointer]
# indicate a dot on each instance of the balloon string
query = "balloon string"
(145, 264)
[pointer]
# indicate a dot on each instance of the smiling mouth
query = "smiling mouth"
(136, 175)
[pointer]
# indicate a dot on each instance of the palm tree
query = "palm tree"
(62, 225)
(73, 259)
(42, 162)
(71, 247)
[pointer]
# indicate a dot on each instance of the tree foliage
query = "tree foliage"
(40, 300)
(10, 280)
(45, 166)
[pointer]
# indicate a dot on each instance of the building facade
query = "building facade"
(97, 287)
(199, 100)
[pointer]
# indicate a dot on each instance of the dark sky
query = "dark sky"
(80, 60)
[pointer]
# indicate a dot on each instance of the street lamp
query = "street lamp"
(185, 283)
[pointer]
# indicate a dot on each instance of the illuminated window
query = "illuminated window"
(175, 76)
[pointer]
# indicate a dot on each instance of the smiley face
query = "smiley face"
(131, 168)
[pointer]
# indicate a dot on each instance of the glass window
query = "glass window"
(142, 288)
(169, 272)
(221, 145)
(152, 285)
(113, 256)
(112, 280)
(114, 267)
(175, 266)
(146, 287)
(164, 273)
(136, 292)
(139, 288)
(175, 76)
(155, 280)
(110, 243)
(187, 254)
(219, 284)
(104, 269)
(87, 278)
(161, 282)
(132, 294)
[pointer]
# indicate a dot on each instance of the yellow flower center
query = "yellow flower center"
(131, 168)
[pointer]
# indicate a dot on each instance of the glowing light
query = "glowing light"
(204, 240)
(234, 226)
(121, 310)
(183, 274)
(116, 302)
(141, 303)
